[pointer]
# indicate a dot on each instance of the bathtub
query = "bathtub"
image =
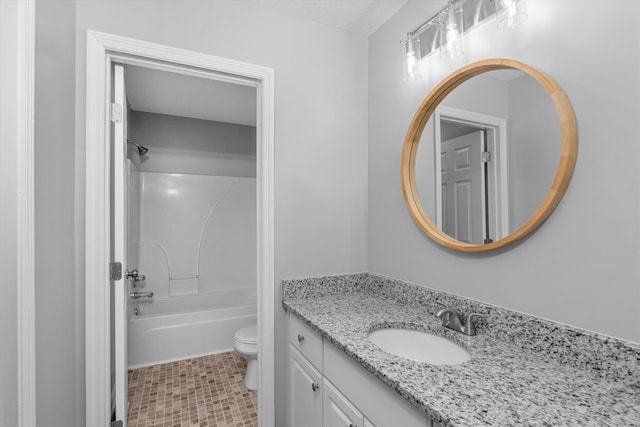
(177, 328)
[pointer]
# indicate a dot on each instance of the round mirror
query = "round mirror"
(488, 155)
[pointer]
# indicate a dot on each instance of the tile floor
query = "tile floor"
(205, 391)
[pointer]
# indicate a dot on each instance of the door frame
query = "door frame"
(17, 191)
(101, 49)
(498, 170)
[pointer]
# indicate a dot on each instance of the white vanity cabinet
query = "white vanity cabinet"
(329, 389)
(337, 410)
(304, 392)
(305, 386)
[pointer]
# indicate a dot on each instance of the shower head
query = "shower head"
(141, 150)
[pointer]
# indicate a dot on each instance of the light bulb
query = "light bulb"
(511, 13)
(411, 62)
(410, 59)
(450, 34)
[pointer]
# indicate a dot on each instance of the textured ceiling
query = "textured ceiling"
(359, 16)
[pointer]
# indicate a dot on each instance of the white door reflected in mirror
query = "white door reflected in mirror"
(462, 184)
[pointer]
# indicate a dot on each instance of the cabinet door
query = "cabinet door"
(305, 396)
(337, 410)
(382, 406)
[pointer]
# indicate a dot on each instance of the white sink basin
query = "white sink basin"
(419, 346)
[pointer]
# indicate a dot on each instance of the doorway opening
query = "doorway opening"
(106, 284)
(190, 246)
(471, 191)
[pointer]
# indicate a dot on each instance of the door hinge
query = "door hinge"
(117, 423)
(115, 270)
(486, 156)
(116, 113)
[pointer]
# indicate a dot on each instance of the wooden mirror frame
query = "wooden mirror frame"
(568, 153)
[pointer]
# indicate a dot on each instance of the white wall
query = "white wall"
(320, 126)
(8, 209)
(580, 266)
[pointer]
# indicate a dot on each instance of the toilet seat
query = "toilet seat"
(245, 341)
(247, 335)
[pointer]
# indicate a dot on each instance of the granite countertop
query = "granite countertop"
(503, 384)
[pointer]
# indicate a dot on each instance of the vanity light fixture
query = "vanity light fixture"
(410, 51)
(510, 13)
(451, 29)
(444, 31)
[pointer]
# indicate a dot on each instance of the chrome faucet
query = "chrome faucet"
(136, 295)
(453, 320)
(136, 277)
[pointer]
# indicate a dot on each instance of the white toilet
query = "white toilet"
(245, 343)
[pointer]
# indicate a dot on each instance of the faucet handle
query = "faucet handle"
(441, 304)
(445, 313)
(470, 328)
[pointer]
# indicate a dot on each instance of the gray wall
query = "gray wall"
(534, 147)
(186, 145)
(8, 210)
(580, 266)
(59, 361)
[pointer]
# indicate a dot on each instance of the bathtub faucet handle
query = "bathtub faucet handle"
(133, 274)
(136, 295)
(137, 277)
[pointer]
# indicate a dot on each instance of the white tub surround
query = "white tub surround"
(523, 370)
(197, 233)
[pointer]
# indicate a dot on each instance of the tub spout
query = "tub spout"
(136, 295)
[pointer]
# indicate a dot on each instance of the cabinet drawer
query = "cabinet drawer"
(306, 340)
